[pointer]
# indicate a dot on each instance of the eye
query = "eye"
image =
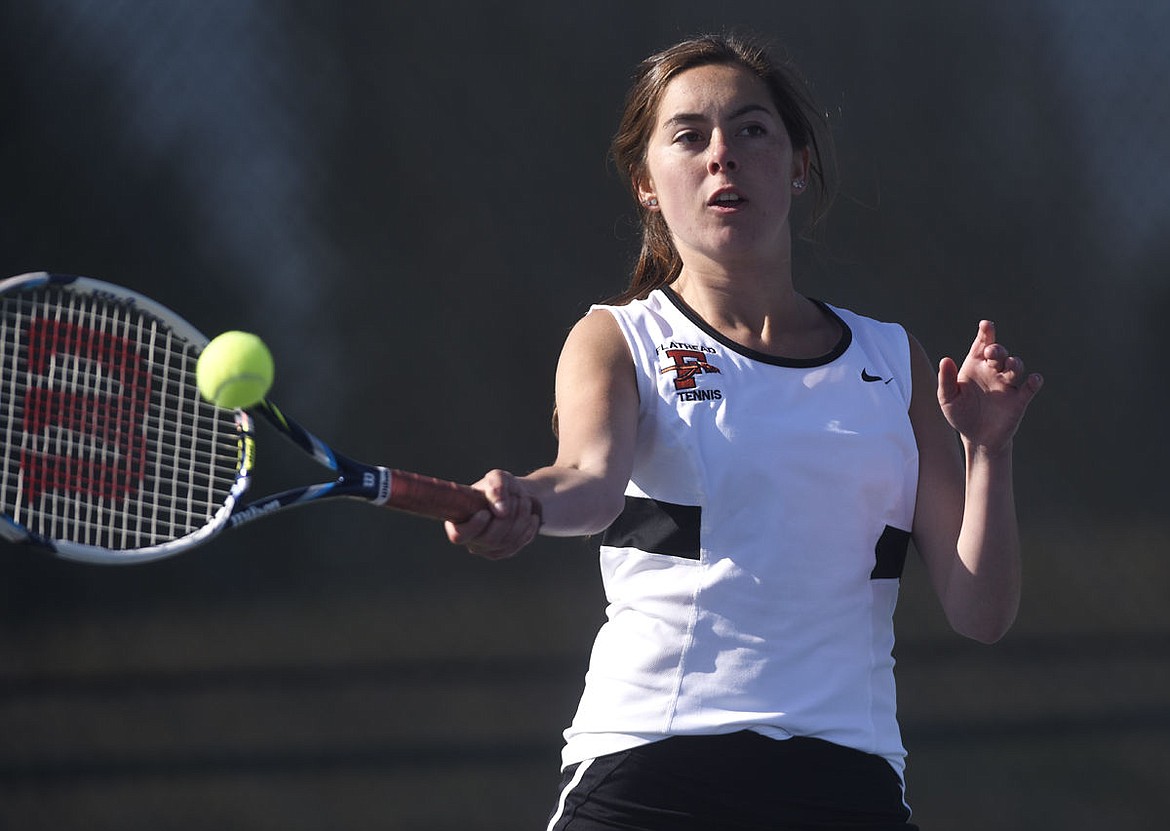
(753, 130)
(687, 137)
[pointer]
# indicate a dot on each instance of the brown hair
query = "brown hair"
(658, 262)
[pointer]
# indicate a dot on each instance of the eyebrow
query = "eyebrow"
(690, 118)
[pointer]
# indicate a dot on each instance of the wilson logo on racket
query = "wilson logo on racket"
(104, 422)
(90, 442)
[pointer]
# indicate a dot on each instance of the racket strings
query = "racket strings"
(107, 441)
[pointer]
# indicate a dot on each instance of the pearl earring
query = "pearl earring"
(798, 184)
(651, 202)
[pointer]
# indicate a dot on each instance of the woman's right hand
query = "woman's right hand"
(583, 490)
(510, 523)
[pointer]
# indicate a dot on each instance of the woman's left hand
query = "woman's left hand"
(985, 398)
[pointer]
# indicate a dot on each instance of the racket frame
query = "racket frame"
(401, 490)
(185, 333)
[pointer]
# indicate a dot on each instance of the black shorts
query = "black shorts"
(737, 782)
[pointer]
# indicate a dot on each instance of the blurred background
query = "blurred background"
(412, 204)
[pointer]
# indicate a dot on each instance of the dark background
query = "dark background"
(412, 203)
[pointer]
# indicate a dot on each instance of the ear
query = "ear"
(800, 164)
(647, 196)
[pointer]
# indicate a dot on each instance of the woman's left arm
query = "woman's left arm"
(965, 521)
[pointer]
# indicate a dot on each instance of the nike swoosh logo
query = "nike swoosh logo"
(869, 379)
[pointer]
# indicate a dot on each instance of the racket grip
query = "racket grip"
(431, 497)
(437, 498)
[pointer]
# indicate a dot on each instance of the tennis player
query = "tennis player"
(756, 462)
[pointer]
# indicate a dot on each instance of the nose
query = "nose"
(719, 155)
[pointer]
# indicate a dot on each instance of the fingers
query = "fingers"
(988, 354)
(1028, 386)
(501, 489)
(948, 381)
(984, 337)
(511, 523)
(985, 398)
(462, 533)
(985, 349)
(1009, 367)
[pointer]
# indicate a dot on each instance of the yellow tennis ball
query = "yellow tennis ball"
(235, 370)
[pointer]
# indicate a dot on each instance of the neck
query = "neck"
(758, 308)
(742, 278)
(741, 291)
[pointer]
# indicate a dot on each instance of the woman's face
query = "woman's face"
(721, 167)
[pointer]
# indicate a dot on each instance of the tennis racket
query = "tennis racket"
(108, 453)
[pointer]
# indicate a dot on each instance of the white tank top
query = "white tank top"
(753, 574)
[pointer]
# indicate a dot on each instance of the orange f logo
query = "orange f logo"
(688, 363)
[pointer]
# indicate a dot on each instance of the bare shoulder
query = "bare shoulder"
(923, 398)
(937, 448)
(598, 338)
(919, 359)
(596, 368)
(937, 445)
(597, 400)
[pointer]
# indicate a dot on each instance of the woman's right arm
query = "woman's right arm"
(582, 491)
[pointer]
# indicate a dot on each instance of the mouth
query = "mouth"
(727, 198)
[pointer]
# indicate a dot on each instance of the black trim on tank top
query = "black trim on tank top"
(890, 554)
(656, 527)
(797, 363)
